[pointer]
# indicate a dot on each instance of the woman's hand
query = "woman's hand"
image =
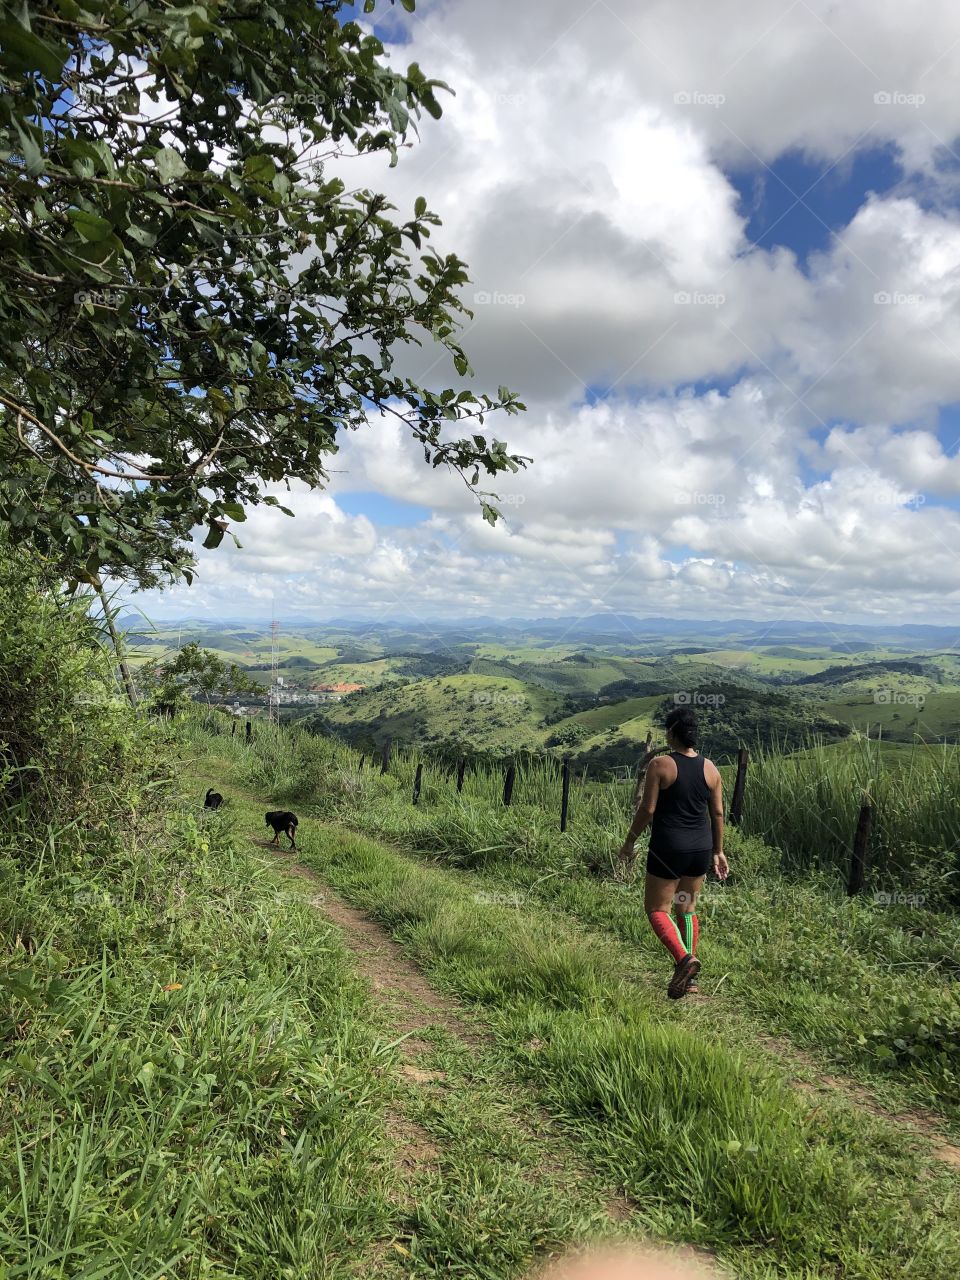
(628, 850)
(721, 868)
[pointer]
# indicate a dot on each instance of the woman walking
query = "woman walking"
(683, 806)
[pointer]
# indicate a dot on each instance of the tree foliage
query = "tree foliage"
(195, 673)
(193, 303)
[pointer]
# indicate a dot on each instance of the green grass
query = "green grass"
(489, 712)
(189, 1085)
(713, 1148)
(867, 984)
(931, 715)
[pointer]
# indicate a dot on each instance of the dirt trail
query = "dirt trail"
(411, 1004)
(417, 1005)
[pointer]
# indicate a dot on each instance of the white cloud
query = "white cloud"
(580, 172)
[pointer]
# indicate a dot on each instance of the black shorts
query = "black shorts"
(670, 865)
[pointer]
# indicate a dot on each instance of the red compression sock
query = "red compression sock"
(665, 927)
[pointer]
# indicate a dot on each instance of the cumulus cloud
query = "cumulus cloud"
(718, 428)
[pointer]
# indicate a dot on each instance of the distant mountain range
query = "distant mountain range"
(616, 627)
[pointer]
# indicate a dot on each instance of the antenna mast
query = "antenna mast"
(274, 694)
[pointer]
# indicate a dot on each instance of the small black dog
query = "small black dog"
(213, 799)
(282, 822)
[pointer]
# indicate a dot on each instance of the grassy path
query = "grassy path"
(710, 1145)
(608, 911)
(485, 1177)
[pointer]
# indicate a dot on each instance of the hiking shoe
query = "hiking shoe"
(685, 970)
(692, 988)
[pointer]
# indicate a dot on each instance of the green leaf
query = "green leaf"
(420, 206)
(22, 50)
(29, 149)
(214, 537)
(432, 105)
(169, 165)
(90, 225)
(259, 167)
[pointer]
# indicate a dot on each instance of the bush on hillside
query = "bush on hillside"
(68, 736)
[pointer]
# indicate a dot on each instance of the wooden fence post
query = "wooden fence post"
(233, 731)
(508, 784)
(249, 731)
(385, 760)
(641, 774)
(461, 770)
(360, 765)
(565, 795)
(858, 857)
(416, 783)
(736, 804)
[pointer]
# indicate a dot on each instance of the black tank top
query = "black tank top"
(681, 820)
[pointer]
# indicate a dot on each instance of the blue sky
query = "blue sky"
(801, 203)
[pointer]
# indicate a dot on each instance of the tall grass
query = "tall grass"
(807, 805)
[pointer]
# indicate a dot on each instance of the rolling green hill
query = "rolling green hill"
(484, 713)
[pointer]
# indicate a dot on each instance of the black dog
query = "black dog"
(285, 823)
(213, 799)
